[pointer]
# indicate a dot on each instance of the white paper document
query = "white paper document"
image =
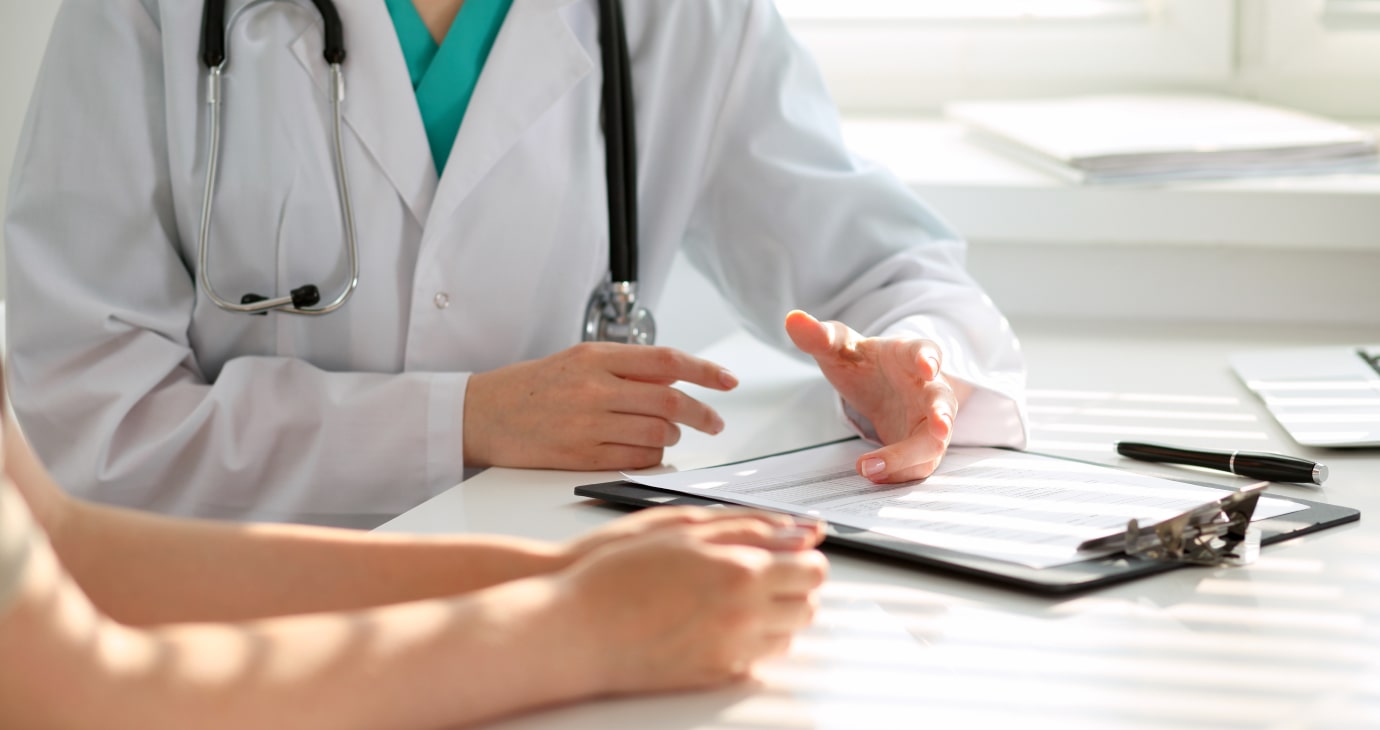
(1022, 508)
(1155, 137)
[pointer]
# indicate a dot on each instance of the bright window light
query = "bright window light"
(951, 10)
(1352, 9)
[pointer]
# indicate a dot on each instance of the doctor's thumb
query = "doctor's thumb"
(809, 335)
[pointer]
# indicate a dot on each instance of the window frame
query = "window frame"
(913, 62)
(1352, 13)
(1318, 55)
(974, 11)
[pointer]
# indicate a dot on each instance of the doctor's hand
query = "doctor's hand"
(894, 382)
(594, 406)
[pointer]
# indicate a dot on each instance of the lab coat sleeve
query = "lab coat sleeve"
(103, 377)
(788, 218)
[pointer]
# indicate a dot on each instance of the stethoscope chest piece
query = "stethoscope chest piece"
(614, 315)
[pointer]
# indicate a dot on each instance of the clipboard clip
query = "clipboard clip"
(1215, 533)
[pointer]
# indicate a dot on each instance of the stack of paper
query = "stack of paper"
(1154, 137)
(1021, 508)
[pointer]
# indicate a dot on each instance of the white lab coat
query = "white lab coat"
(137, 390)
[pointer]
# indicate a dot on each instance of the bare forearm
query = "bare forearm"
(145, 569)
(431, 664)
(428, 664)
(677, 608)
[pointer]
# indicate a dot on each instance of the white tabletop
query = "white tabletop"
(1291, 641)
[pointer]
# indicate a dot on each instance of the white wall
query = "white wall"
(24, 26)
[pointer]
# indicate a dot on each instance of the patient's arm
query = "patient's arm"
(429, 663)
(691, 606)
(145, 569)
(142, 568)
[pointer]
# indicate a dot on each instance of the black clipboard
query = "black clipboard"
(1060, 579)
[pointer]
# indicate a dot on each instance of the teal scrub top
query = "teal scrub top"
(444, 76)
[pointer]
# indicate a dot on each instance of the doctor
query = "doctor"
(478, 219)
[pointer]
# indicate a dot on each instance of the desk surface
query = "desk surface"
(1292, 641)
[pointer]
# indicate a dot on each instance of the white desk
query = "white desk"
(1292, 641)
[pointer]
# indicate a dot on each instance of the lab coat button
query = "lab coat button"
(441, 300)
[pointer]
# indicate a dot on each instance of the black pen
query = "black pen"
(1253, 464)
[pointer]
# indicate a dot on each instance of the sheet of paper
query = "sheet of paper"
(1022, 508)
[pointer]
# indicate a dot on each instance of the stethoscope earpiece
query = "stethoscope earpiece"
(305, 296)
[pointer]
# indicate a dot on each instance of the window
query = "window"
(947, 10)
(1353, 12)
(1322, 55)
(913, 55)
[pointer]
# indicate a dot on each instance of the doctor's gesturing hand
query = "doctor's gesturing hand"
(896, 383)
(593, 406)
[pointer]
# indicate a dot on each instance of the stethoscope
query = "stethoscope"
(613, 313)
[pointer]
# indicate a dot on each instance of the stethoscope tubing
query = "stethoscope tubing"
(213, 49)
(620, 145)
(214, 30)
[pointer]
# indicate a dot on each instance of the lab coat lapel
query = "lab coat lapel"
(380, 105)
(535, 61)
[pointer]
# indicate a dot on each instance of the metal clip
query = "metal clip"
(1216, 533)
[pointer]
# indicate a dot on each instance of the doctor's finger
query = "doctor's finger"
(822, 340)
(920, 356)
(667, 403)
(668, 365)
(633, 430)
(912, 458)
(609, 457)
(943, 406)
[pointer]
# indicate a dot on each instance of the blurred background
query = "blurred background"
(1295, 249)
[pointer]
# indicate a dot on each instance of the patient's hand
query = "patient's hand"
(691, 606)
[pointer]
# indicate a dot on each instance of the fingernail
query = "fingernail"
(717, 427)
(728, 379)
(872, 466)
(934, 364)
